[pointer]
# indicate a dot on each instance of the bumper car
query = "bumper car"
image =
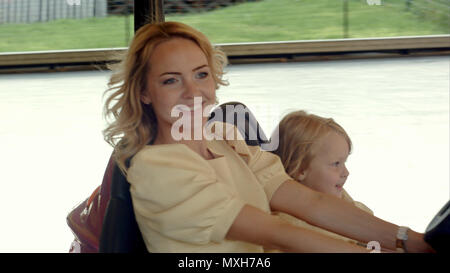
(105, 222)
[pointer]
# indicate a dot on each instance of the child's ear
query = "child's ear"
(302, 174)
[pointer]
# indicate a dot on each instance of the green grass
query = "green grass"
(309, 19)
(267, 20)
(65, 34)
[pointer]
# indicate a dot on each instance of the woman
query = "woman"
(201, 189)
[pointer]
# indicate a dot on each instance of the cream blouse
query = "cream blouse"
(184, 203)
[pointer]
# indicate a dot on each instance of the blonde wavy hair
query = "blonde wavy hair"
(131, 123)
(298, 132)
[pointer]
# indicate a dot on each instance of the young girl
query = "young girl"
(313, 151)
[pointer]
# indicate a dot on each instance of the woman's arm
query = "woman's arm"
(255, 226)
(334, 214)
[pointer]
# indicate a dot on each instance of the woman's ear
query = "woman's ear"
(145, 98)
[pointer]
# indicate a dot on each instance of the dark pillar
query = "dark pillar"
(345, 18)
(147, 11)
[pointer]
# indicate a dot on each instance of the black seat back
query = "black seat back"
(120, 231)
(239, 115)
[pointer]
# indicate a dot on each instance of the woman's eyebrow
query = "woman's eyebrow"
(178, 73)
(200, 67)
(165, 73)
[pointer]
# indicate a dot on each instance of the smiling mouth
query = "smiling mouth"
(195, 107)
(190, 108)
(340, 186)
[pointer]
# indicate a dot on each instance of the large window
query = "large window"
(33, 25)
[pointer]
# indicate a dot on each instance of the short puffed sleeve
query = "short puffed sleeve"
(266, 166)
(268, 169)
(176, 193)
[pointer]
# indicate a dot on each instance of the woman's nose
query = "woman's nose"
(191, 89)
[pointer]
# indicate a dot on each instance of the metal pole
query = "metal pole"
(148, 11)
(345, 18)
(127, 27)
(408, 5)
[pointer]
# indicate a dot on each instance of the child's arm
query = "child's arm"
(339, 216)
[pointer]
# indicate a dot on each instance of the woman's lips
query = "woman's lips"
(191, 108)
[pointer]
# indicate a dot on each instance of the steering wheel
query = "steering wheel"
(437, 234)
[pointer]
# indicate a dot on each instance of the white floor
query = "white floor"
(395, 110)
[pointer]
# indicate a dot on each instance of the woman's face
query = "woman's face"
(179, 72)
(327, 171)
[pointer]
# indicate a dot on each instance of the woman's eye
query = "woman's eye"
(202, 75)
(169, 81)
(336, 163)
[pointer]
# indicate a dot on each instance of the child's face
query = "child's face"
(327, 172)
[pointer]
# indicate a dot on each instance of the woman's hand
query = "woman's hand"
(341, 217)
(416, 243)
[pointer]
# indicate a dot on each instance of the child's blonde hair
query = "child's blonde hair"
(298, 132)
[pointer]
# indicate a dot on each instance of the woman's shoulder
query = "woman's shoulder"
(166, 152)
(168, 159)
(226, 134)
